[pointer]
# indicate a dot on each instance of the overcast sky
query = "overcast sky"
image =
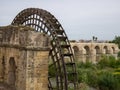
(81, 19)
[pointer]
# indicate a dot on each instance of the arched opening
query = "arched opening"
(11, 73)
(113, 50)
(87, 52)
(76, 52)
(105, 50)
(97, 49)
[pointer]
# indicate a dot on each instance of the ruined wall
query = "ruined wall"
(24, 58)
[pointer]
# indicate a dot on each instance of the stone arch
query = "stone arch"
(97, 49)
(105, 50)
(113, 50)
(76, 52)
(11, 72)
(97, 52)
(75, 49)
(87, 50)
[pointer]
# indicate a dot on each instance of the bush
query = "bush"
(92, 78)
(118, 54)
(107, 61)
(116, 73)
(52, 71)
(118, 63)
(88, 76)
(82, 75)
(103, 62)
(108, 81)
(112, 62)
(105, 75)
(87, 64)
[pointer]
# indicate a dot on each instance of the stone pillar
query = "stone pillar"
(37, 70)
(37, 52)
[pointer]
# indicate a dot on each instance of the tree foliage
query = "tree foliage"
(116, 40)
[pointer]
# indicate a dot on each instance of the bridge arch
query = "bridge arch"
(97, 49)
(97, 52)
(87, 54)
(105, 50)
(87, 50)
(77, 52)
(113, 50)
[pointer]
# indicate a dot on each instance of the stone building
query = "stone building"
(23, 58)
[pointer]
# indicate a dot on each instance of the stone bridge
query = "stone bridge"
(93, 50)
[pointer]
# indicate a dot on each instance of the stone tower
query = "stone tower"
(24, 58)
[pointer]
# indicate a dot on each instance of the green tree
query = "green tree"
(116, 40)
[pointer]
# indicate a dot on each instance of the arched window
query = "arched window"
(11, 73)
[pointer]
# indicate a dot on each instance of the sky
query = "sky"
(81, 19)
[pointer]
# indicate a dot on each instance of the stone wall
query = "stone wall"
(24, 58)
(92, 51)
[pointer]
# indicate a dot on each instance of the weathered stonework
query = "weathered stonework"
(93, 51)
(24, 58)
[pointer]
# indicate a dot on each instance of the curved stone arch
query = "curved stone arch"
(113, 49)
(97, 52)
(87, 54)
(87, 50)
(75, 49)
(97, 49)
(78, 52)
(105, 49)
